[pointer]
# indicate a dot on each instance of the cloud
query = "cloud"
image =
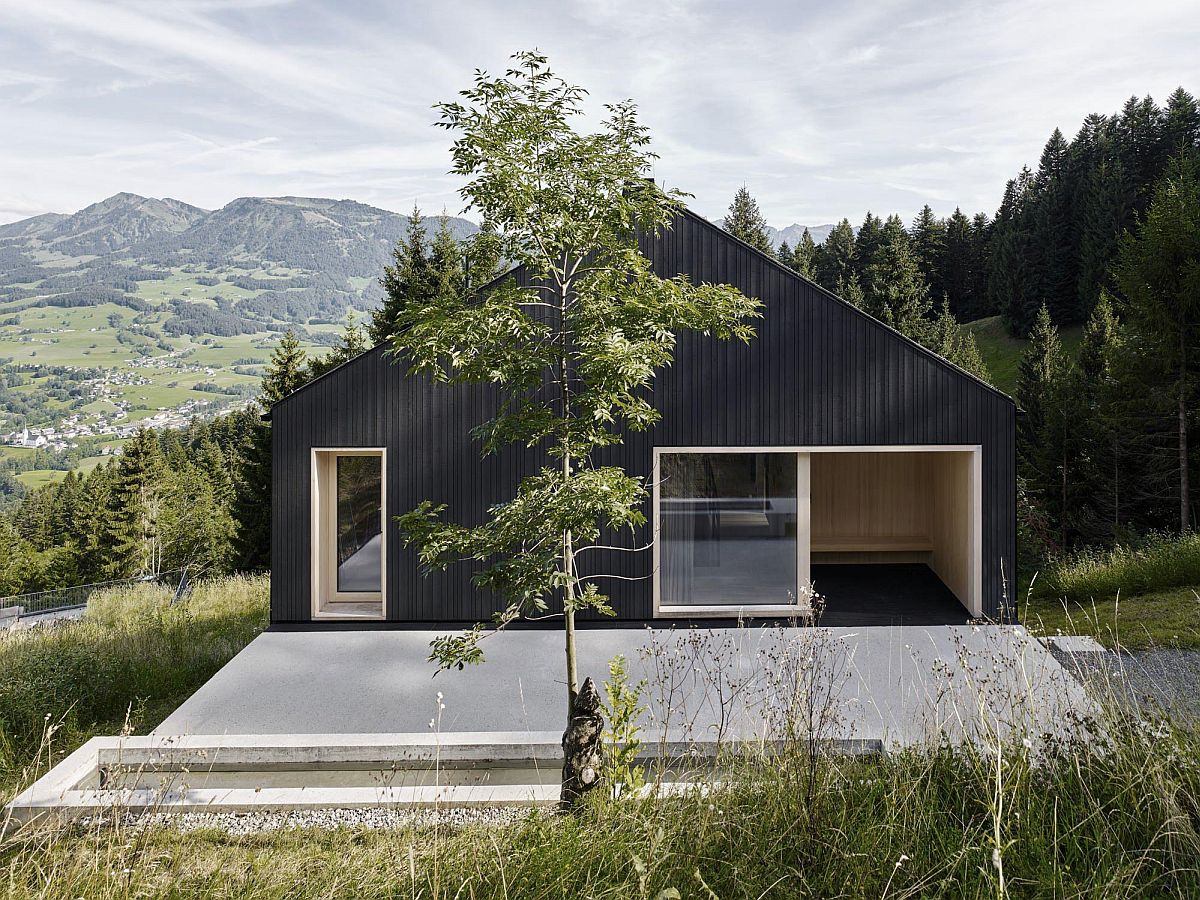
(822, 110)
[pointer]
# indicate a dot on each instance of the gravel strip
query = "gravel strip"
(240, 824)
(1143, 681)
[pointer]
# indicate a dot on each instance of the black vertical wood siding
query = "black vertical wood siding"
(819, 372)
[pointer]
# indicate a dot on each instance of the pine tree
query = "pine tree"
(894, 288)
(286, 371)
(1053, 279)
(1105, 212)
(833, 262)
(979, 304)
(1158, 273)
(785, 255)
(1104, 432)
(851, 291)
(955, 264)
(136, 505)
(1010, 266)
(928, 236)
(1180, 125)
(804, 256)
(1046, 441)
(948, 339)
(745, 221)
(866, 244)
(406, 281)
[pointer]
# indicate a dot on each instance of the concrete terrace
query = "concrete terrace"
(895, 685)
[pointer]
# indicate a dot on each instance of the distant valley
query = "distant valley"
(138, 310)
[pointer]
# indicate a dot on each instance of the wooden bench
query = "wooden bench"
(871, 545)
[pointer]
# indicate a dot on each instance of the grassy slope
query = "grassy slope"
(129, 664)
(1002, 352)
(1129, 597)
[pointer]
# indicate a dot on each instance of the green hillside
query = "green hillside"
(1002, 352)
(137, 310)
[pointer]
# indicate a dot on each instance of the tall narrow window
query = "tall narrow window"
(359, 524)
(349, 544)
(727, 529)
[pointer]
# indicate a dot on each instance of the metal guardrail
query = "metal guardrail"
(77, 596)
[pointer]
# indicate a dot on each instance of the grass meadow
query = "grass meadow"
(1115, 817)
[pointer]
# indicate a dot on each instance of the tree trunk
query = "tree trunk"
(1185, 519)
(583, 750)
(1185, 488)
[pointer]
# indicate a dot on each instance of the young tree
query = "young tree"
(745, 221)
(572, 355)
(1158, 272)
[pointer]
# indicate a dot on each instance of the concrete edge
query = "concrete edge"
(60, 794)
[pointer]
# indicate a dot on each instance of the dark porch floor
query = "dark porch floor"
(885, 594)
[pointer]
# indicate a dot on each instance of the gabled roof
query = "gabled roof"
(770, 260)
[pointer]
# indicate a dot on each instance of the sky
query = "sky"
(821, 109)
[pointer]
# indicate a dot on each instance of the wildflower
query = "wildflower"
(902, 860)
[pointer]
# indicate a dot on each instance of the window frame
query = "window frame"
(803, 553)
(325, 597)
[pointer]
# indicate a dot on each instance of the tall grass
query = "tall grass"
(1162, 562)
(1121, 822)
(127, 664)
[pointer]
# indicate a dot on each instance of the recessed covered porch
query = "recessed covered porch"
(875, 535)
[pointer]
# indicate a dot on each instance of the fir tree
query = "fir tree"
(136, 505)
(406, 281)
(929, 243)
(833, 262)
(785, 255)
(352, 342)
(286, 371)
(895, 290)
(955, 265)
(866, 244)
(1046, 436)
(1101, 475)
(851, 291)
(804, 255)
(1158, 273)
(745, 222)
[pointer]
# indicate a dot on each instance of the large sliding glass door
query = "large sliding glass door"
(729, 530)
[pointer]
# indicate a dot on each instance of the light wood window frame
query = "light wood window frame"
(803, 577)
(327, 601)
(973, 601)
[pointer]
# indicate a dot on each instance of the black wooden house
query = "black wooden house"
(830, 454)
